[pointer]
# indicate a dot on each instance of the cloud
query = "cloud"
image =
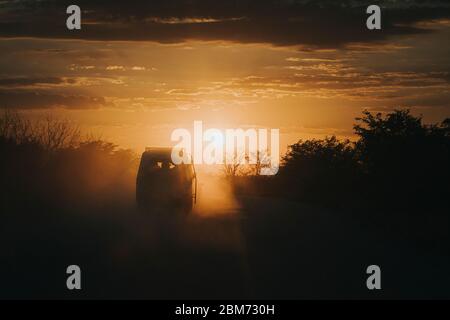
(30, 81)
(112, 68)
(123, 68)
(26, 99)
(55, 82)
(317, 24)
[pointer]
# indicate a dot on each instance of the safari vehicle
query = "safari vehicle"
(162, 185)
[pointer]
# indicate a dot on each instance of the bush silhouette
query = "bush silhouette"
(318, 169)
(404, 161)
(396, 163)
(47, 163)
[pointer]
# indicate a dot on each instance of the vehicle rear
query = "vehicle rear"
(161, 185)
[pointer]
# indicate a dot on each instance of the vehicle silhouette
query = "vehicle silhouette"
(163, 186)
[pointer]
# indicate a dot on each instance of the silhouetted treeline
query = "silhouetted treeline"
(48, 163)
(397, 162)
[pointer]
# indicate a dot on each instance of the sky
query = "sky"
(139, 69)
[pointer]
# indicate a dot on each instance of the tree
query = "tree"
(233, 164)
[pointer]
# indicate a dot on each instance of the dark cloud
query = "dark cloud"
(322, 23)
(30, 81)
(26, 99)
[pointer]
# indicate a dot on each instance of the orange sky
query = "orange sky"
(135, 93)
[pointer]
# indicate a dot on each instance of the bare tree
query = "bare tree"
(51, 134)
(233, 164)
(15, 128)
(262, 161)
(55, 134)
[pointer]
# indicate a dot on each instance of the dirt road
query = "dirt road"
(248, 248)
